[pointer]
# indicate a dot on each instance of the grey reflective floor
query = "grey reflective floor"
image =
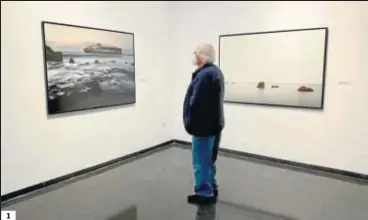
(155, 188)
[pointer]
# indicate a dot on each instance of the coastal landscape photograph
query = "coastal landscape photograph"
(87, 67)
(281, 68)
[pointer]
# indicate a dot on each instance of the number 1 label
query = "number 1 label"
(8, 215)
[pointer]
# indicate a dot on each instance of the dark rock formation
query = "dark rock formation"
(51, 55)
(261, 85)
(275, 86)
(71, 60)
(95, 88)
(96, 62)
(305, 89)
(113, 61)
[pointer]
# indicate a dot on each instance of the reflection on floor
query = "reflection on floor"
(155, 188)
(128, 214)
(244, 212)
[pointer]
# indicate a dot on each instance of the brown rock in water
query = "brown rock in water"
(51, 55)
(261, 85)
(305, 89)
(71, 60)
(95, 88)
(275, 86)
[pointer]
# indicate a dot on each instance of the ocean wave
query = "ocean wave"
(68, 79)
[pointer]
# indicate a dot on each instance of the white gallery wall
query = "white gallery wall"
(335, 137)
(364, 52)
(35, 148)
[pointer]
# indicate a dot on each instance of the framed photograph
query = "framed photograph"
(87, 68)
(281, 68)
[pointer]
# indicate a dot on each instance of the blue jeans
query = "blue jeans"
(205, 150)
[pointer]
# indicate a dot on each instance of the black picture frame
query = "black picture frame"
(50, 106)
(321, 107)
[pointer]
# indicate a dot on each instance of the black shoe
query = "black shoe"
(215, 193)
(201, 200)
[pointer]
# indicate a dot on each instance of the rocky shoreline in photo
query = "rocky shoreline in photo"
(52, 55)
(82, 81)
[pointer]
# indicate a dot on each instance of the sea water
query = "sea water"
(92, 75)
(286, 94)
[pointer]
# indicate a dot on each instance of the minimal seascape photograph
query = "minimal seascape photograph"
(87, 68)
(283, 68)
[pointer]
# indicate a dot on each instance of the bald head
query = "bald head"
(205, 53)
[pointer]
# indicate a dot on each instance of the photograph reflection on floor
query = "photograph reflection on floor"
(228, 210)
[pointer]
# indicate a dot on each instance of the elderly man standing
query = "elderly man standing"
(204, 120)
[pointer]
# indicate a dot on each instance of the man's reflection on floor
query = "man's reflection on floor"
(206, 212)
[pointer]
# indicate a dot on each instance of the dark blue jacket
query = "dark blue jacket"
(203, 105)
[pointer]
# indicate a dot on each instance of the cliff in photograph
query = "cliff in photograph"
(51, 55)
